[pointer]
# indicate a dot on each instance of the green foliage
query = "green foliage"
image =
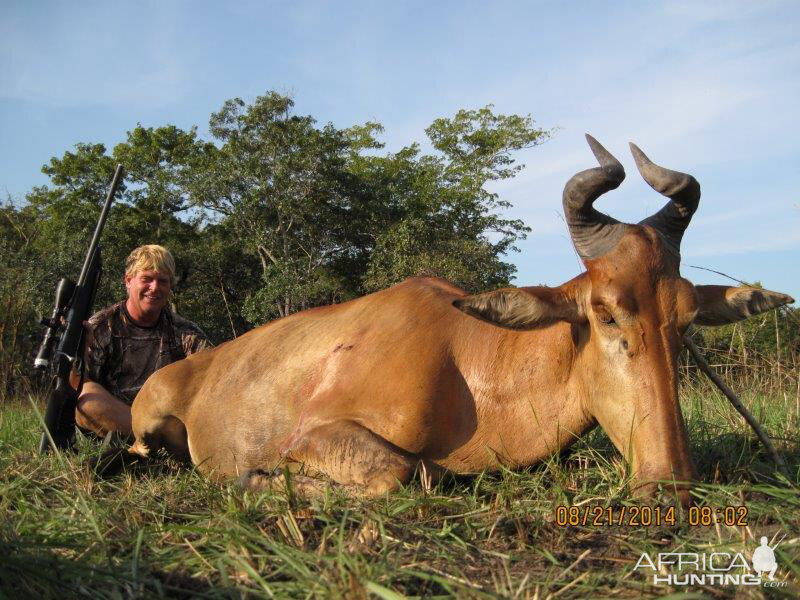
(216, 280)
(21, 276)
(435, 214)
(283, 184)
(477, 145)
(773, 334)
(274, 214)
(413, 247)
(429, 222)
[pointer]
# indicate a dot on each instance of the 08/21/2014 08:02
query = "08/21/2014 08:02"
(647, 516)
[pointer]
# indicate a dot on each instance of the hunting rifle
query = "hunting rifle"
(65, 332)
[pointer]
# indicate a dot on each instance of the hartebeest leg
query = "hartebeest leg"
(350, 455)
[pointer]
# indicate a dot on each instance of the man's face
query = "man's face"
(148, 291)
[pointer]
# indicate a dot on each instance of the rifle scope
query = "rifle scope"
(64, 291)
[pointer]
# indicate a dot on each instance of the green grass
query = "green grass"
(169, 532)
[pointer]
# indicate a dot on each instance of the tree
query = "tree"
(441, 219)
(282, 183)
(156, 161)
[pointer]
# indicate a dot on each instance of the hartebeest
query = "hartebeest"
(422, 373)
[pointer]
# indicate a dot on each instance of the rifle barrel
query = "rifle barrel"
(100, 223)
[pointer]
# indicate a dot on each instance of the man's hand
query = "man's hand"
(99, 411)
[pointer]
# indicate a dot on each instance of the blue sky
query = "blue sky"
(710, 88)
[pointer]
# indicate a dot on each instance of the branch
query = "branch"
(227, 308)
(702, 364)
(264, 252)
(303, 248)
(17, 227)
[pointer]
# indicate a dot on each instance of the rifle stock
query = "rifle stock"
(59, 416)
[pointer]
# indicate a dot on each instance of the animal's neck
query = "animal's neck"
(527, 394)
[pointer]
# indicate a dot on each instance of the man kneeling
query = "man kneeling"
(129, 341)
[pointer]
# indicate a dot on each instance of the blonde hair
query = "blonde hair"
(151, 257)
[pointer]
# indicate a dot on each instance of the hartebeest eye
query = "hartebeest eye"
(604, 316)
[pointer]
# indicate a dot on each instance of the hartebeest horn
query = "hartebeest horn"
(593, 232)
(683, 192)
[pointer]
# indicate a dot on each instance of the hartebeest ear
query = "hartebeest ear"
(720, 304)
(521, 308)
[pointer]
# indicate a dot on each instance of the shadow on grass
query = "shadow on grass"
(737, 458)
(30, 571)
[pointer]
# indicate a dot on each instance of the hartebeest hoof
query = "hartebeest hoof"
(667, 493)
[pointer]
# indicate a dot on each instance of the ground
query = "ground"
(167, 531)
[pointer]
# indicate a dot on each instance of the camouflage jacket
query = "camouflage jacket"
(122, 355)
